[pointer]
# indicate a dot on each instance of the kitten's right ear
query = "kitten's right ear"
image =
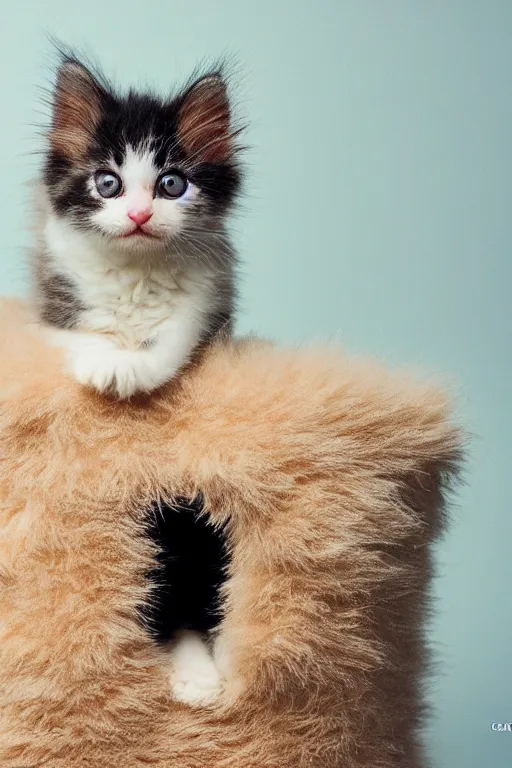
(76, 109)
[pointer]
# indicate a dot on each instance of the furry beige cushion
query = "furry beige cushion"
(332, 473)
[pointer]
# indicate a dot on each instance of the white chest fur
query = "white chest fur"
(130, 301)
(133, 302)
(141, 321)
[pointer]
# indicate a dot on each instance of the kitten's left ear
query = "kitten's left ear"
(204, 120)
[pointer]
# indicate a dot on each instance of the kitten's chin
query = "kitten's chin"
(134, 250)
(137, 238)
(137, 243)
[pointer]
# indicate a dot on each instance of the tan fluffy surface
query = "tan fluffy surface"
(332, 472)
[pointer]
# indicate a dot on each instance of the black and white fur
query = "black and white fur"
(131, 303)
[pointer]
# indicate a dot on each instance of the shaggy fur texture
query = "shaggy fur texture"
(331, 472)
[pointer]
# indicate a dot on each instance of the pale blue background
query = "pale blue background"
(379, 212)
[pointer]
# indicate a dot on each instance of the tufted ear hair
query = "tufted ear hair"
(204, 121)
(76, 109)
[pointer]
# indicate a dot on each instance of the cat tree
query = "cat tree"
(330, 475)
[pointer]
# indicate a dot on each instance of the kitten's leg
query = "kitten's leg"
(195, 679)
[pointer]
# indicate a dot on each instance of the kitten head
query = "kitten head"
(140, 171)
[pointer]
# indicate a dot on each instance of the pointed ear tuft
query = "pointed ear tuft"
(76, 109)
(204, 120)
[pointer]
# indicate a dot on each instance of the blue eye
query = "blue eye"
(172, 185)
(108, 183)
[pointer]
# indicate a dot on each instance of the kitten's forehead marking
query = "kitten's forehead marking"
(138, 168)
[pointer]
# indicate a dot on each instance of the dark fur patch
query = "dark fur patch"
(189, 573)
(59, 304)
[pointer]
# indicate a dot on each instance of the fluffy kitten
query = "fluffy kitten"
(134, 269)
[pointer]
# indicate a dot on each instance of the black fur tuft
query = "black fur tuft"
(191, 568)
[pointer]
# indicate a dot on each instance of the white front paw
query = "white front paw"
(98, 363)
(109, 373)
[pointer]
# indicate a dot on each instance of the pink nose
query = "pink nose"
(140, 216)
